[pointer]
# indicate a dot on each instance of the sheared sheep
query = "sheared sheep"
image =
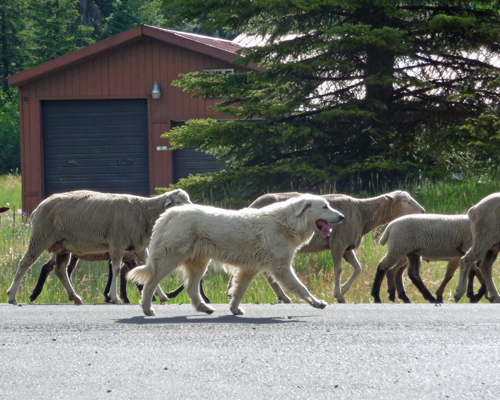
(485, 226)
(434, 237)
(85, 222)
(249, 240)
(362, 216)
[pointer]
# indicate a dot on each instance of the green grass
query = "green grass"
(315, 270)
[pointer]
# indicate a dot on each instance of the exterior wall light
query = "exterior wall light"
(156, 94)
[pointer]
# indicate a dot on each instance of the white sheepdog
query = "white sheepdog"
(251, 240)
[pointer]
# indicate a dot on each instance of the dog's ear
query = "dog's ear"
(300, 206)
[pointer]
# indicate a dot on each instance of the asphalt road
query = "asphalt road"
(346, 351)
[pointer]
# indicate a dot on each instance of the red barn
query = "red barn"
(90, 119)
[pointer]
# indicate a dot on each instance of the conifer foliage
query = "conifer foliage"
(350, 87)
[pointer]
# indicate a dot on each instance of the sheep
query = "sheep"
(361, 217)
(85, 222)
(434, 237)
(485, 227)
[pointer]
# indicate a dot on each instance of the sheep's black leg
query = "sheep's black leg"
(72, 265)
(414, 274)
(107, 299)
(391, 284)
(377, 282)
(401, 268)
(202, 292)
(123, 280)
(174, 293)
(470, 286)
(489, 259)
(47, 268)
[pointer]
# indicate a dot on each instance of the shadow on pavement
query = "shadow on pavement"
(224, 319)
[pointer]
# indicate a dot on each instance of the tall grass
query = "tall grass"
(315, 270)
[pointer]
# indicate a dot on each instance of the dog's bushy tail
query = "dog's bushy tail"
(140, 275)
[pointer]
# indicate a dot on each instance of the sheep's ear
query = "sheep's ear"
(392, 198)
(300, 206)
(397, 196)
(168, 202)
(3, 209)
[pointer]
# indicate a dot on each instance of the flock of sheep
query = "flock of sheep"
(261, 238)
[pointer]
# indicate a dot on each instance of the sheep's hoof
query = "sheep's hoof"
(76, 299)
(13, 302)
(163, 299)
(285, 300)
(377, 301)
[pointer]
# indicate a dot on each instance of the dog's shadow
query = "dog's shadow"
(223, 319)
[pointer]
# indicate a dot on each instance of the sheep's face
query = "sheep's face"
(403, 204)
(177, 198)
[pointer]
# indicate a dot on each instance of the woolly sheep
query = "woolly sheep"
(361, 217)
(85, 222)
(434, 237)
(485, 226)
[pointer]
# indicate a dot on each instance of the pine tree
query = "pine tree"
(351, 87)
(55, 29)
(126, 14)
(11, 24)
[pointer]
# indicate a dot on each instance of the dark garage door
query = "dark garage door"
(98, 145)
(191, 162)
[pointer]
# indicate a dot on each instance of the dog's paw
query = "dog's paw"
(237, 311)
(320, 304)
(149, 313)
(204, 308)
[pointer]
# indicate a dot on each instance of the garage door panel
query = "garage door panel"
(67, 143)
(96, 144)
(96, 161)
(117, 123)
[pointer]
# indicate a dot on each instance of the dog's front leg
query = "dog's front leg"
(288, 279)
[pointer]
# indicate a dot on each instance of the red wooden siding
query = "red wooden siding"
(128, 72)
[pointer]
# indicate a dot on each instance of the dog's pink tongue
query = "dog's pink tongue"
(325, 228)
